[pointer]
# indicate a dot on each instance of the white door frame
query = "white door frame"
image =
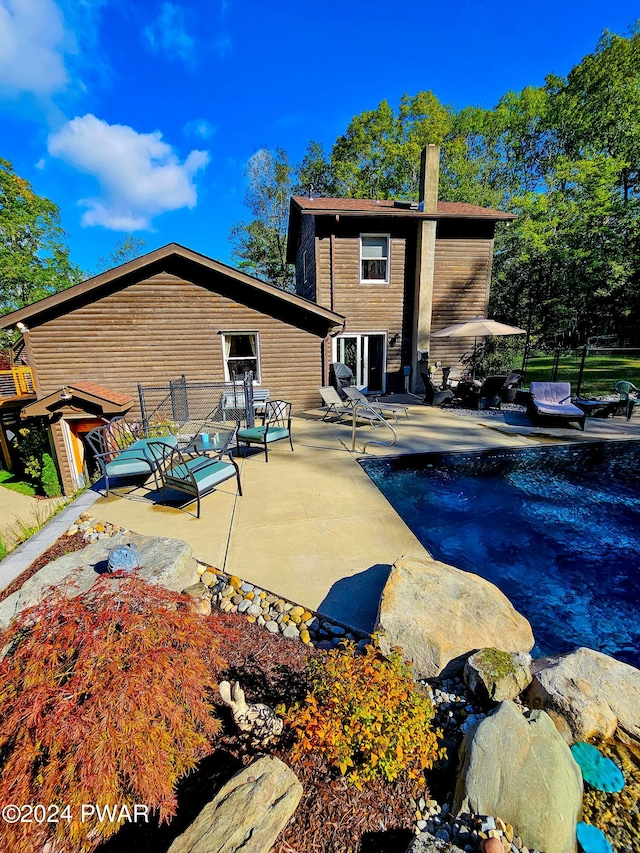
(362, 355)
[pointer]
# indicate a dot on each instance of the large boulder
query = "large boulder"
(519, 767)
(495, 675)
(587, 694)
(167, 562)
(247, 813)
(437, 614)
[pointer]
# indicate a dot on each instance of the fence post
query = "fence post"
(143, 409)
(248, 399)
(584, 356)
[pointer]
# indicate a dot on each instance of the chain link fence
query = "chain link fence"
(187, 408)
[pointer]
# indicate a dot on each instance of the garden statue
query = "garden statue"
(258, 720)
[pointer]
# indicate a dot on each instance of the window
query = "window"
(374, 257)
(240, 355)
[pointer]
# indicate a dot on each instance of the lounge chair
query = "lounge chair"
(353, 394)
(628, 396)
(553, 400)
(334, 405)
(276, 424)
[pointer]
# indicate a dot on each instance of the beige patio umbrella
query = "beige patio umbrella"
(477, 328)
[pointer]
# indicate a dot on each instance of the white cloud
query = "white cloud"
(200, 127)
(41, 163)
(140, 175)
(33, 42)
(168, 34)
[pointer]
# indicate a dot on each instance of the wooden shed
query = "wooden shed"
(169, 313)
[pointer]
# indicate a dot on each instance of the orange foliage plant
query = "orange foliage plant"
(365, 715)
(104, 700)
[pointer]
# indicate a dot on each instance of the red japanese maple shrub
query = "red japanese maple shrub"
(104, 699)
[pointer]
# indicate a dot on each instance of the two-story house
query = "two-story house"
(397, 271)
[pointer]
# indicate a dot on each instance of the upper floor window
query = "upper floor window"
(374, 257)
(241, 354)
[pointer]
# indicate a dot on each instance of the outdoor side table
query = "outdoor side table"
(597, 408)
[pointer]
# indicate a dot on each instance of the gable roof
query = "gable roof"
(93, 399)
(390, 208)
(190, 266)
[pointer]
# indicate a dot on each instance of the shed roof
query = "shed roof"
(80, 398)
(191, 266)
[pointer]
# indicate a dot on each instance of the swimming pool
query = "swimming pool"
(557, 529)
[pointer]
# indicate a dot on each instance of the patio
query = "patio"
(311, 525)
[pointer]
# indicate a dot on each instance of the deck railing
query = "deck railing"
(17, 382)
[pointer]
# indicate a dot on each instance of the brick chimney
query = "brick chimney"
(425, 260)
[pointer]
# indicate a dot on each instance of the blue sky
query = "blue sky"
(140, 116)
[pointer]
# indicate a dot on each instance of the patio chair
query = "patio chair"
(334, 405)
(352, 393)
(511, 384)
(553, 400)
(628, 396)
(276, 424)
(432, 396)
(195, 476)
(122, 451)
(490, 392)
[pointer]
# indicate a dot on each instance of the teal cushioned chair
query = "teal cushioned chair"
(121, 451)
(276, 425)
(195, 476)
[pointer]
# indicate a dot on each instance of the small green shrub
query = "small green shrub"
(3, 549)
(49, 477)
(365, 715)
(31, 446)
(106, 699)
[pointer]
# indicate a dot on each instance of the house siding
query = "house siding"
(162, 327)
(460, 292)
(462, 275)
(306, 260)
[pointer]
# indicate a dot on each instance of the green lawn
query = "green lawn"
(9, 482)
(601, 372)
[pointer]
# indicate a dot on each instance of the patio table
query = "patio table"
(218, 443)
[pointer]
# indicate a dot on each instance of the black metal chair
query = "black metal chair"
(276, 425)
(122, 451)
(197, 475)
(432, 396)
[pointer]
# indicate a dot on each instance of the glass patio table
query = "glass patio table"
(216, 443)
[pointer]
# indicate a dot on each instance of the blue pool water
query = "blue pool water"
(557, 529)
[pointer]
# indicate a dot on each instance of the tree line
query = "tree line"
(564, 157)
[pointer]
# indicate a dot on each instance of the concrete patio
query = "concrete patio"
(311, 525)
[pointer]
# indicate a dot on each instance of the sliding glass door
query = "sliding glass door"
(365, 356)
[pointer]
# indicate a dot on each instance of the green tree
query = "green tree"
(126, 249)
(34, 260)
(260, 246)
